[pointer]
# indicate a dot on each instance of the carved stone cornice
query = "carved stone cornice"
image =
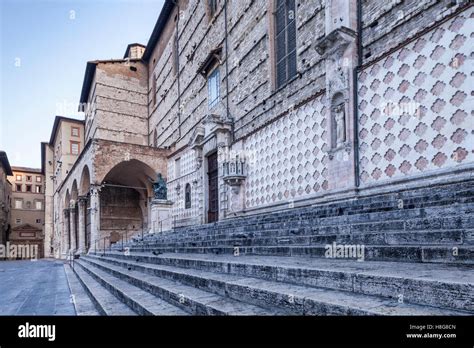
(335, 42)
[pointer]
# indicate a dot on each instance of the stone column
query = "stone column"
(73, 231)
(95, 216)
(65, 245)
(81, 224)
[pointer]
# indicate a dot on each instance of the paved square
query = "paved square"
(34, 288)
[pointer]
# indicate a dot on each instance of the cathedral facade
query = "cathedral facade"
(236, 108)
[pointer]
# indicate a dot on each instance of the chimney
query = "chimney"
(134, 51)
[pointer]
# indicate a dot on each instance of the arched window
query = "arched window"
(187, 196)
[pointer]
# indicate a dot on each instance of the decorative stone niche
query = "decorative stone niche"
(233, 171)
(338, 48)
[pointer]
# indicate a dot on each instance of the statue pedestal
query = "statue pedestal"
(161, 215)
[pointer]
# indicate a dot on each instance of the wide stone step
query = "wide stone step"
(105, 302)
(417, 229)
(188, 298)
(136, 299)
(449, 237)
(437, 218)
(434, 285)
(80, 298)
(290, 298)
(458, 254)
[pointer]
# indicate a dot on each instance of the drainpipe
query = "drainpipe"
(356, 96)
(227, 72)
(176, 2)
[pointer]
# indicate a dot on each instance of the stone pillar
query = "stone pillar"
(160, 215)
(95, 216)
(339, 49)
(73, 228)
(81, 224)
(65, 245)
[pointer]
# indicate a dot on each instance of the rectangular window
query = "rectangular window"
(28, 188)
(285, 42)
(18, 221)
(18, 187)
(18, 177)
(38, 205)
(75, 131)
(153, 90)
(18, 204)
(38, 221)
(74, 148)
(213, 82)
(39, 179)
(29, 178)
(177, 168)
(37, 189)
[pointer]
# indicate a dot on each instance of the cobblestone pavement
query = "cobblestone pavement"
(34, 288)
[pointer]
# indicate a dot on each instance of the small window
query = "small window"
(75, 131)
(18, 221)
(19, 177)
(155, 138)
(18, 187)
(187, 196)
(74, 148)
(28, 188)
(29, 178)
(213, 83)
(153, 90)
(38, 205)
(38, 221)
(37, 189)
(212, 8)
(177, 168)
(175, 54)
(18, 204)
(39, 179)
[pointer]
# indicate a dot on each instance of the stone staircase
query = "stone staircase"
(418, 260)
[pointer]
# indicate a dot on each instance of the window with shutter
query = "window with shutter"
(285, 41)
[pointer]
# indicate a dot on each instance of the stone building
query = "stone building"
(5, 197)
(27, 208)
(249, 107)
(57, 159)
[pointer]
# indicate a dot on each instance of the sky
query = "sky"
(44, 48)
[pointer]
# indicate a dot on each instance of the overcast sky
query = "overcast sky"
(45, 46)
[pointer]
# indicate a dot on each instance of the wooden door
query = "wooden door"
(212, 174)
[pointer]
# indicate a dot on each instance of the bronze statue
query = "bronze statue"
(159, 188)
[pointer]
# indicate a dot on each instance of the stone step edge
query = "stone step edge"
(296, 304)
(175, 273)
(131, 301)
(235, 240)
(81, 300)
(100, 307)
(419, 252)
(196, 307)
